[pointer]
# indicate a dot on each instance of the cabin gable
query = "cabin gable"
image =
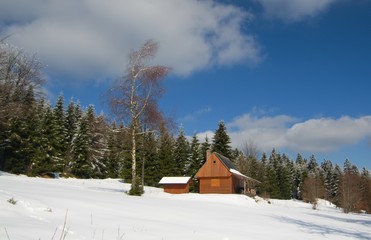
(213, 167)
(219, 175)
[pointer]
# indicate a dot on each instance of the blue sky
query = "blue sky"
(286, 74)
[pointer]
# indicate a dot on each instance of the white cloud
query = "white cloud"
(326, 134)
(207, 134)
(294, 10)
(266, 132)
(318, 135)
(92, 38)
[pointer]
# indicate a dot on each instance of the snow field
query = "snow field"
(100, 209)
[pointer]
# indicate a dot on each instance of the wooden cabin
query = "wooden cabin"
(219, 175)
(175, 185)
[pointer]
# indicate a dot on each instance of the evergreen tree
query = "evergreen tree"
(253, 166)
(113, 155)
(285, 177)
(181, 154)
(312, 165)
(204, 147)
(165, 154)
(50, 142)
(15, 159)
(263, 176)
(118, 157)
(195, 157)
(152, 166)
(60, 130)
(73, 122)
(221, 142)
(39, 151)
(336, 183)
(272, 187)
(97, 134)
(365, 187)
(301, 173)
(80, 166)
(328, 175)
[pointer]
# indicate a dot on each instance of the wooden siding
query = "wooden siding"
(216, 185)
(176, 188)
(213, 167)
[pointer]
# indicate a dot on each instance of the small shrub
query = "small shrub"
(12, 201)
(136, 191)
(48, 210)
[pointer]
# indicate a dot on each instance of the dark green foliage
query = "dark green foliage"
(181, 154)
(195, 157)
(221, 142)
(136, 191)
(262, 176)
(165, 153)
(328, 172)
(300, 174)
(273, 187)
(204, 147)
(115, 154)
(152, 167)
(81, 167)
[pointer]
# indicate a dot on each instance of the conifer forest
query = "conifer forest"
(38, 138)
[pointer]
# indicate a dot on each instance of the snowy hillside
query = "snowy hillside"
(35, 208)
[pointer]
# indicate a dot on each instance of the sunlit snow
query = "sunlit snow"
(36, 208)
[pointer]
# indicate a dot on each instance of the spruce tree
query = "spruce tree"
(365, 187)
(72, 118)
(328, 175)
(152, 165)
(272, 187)
(15, 159)
(312, 165)
(80, 166)
(39, 154)
(336, 185)
(285, 177)
(262, 188)
(113, 156)
(165, 153)
(195, 157)
(300, 174)
(98, 143)
(221, 142)
(204, 147)
(181, 154)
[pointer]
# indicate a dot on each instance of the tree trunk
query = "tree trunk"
(133, 160)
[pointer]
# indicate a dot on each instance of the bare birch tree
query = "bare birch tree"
(134, 94)
(20, 79)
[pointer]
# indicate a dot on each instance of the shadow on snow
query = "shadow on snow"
(324, 230)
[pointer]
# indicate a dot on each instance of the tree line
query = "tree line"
(37, 139)
(306, 179)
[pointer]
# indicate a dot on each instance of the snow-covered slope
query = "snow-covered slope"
(99, 209)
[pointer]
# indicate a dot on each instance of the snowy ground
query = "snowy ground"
(99, 209)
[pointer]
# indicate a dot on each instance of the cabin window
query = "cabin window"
(215, 182)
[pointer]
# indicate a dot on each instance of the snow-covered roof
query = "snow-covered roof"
(234, 171)
(174, 180)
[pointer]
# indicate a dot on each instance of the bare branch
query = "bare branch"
(134, 97)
